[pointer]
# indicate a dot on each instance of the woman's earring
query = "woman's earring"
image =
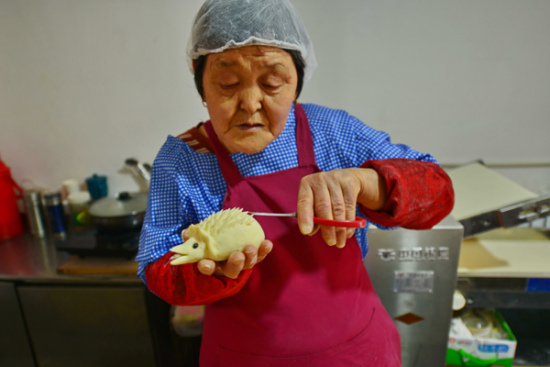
(204, 103)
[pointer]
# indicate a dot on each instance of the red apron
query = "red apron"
(307, 303)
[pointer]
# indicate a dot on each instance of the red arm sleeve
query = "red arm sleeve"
(420, 194)
(185, 285)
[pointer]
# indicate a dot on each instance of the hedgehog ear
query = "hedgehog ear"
(204, 238)
(188, 232)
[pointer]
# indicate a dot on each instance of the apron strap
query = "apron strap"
(228, 168)
(304, 145)
(304, 140)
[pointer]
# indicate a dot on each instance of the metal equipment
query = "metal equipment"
(414, 272)
(508, 216)
(486, 200)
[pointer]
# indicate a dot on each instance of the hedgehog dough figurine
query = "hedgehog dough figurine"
(218, 236)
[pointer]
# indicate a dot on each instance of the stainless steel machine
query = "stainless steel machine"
(414, 273)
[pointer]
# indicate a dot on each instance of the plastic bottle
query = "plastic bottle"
(11, 224)
(78, 204)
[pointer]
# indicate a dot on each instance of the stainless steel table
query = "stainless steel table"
(57, 319)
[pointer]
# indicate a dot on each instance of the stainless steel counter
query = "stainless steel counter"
(36, 260)
(61, 319)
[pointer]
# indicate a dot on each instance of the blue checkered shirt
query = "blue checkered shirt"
(187, 186)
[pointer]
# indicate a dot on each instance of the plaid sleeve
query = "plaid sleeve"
(166, 215)
(170, 208)
(344, 141)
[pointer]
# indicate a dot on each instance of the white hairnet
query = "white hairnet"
(224, 24)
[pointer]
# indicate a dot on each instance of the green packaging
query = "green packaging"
(482, 352)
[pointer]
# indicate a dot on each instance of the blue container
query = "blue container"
(97, 186)
(54, 214)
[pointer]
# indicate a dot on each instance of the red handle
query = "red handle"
(357, 223)
(17, 188)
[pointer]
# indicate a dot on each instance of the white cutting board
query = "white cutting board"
(479, 189)
(515, 252)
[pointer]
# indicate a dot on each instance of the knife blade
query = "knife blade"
(357, 223)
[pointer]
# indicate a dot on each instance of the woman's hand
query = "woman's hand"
(236, 262)
(334, 195)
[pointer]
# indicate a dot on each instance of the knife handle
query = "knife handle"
(357, 223)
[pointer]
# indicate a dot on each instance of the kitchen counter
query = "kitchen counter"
(58, 309)
(36, 260)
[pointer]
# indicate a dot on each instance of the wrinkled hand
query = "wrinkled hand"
(334, 195)
(237, 261)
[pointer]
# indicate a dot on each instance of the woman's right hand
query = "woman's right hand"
(237, 261)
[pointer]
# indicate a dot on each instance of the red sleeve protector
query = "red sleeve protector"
(420, 194)
(185, 285)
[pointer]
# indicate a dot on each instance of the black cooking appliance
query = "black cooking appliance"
(94, 242)
(117, 223)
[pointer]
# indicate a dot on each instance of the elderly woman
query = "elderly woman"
(304, 297)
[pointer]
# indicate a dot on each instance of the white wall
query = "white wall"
(85, 84)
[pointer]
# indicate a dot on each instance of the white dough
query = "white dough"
(218, 236)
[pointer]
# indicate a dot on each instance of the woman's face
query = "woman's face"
(249, 92)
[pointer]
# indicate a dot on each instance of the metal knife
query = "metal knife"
(357, 223)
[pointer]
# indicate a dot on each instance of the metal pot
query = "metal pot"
(124, 212)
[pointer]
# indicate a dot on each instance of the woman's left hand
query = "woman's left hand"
(334, 195)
